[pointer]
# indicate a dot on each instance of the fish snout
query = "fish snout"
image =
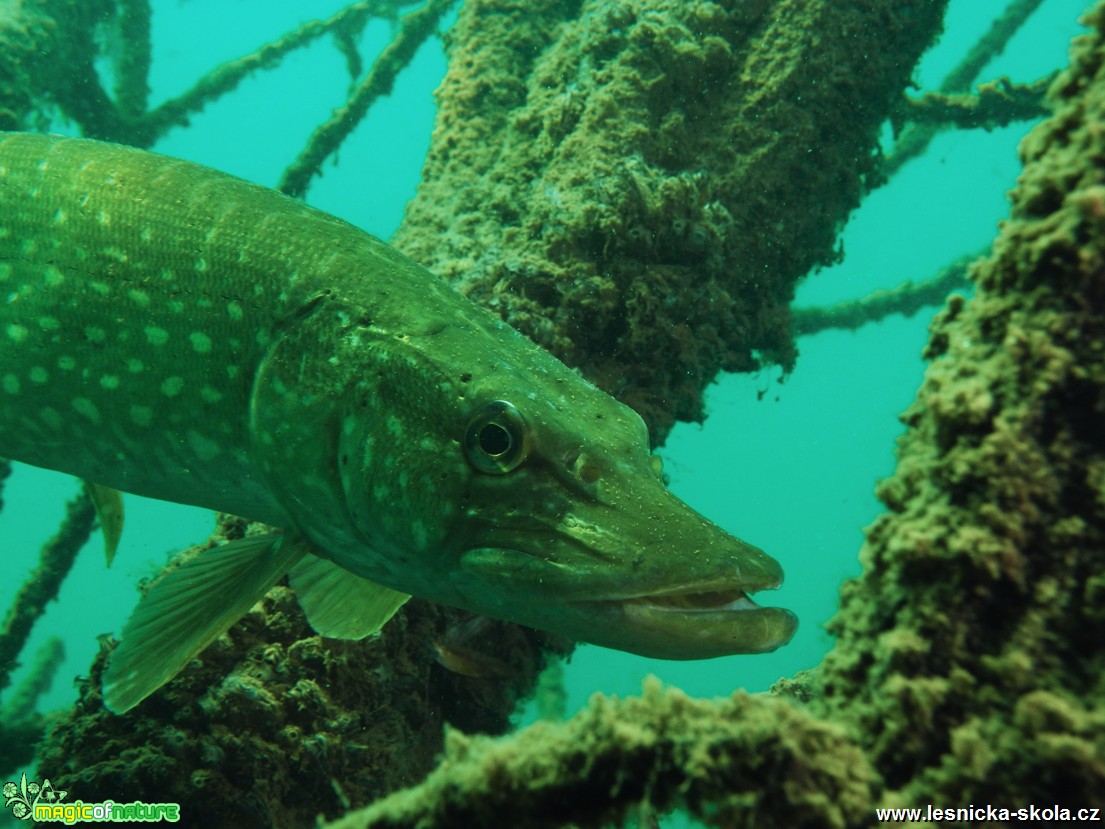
(655, 579)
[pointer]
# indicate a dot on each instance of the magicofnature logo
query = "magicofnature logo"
(42, 803)
(21, 797)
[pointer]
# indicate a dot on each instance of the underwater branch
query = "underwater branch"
(42, 585)
(717, 759)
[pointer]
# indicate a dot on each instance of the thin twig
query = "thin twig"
(997, 104)
(990, 46)
(415, 27)
(20, 704)
(906, 299)
(226, 78)
(916, 137)
(42, 585)
(22, 725)
(132, 65)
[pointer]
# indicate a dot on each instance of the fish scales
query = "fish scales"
(132, 328)
(175, 332)
(129, 327)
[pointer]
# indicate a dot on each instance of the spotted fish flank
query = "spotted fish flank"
(175, 332)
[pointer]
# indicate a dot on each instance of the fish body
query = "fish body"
(175, 332)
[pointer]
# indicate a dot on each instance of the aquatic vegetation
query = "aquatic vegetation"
(673, 244)
(21, 724)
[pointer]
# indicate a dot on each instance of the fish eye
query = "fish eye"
(496, 439)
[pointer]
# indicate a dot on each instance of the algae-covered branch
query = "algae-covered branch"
(638, 186)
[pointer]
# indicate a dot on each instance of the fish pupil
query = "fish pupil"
(495, 440)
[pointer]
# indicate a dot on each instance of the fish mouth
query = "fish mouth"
(685, 620)
(692, 623)
(696, 601)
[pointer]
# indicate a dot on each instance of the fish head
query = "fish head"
(533, 496)
(568, 527)
(515, 488)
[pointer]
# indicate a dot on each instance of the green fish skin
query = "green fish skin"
(172, 331)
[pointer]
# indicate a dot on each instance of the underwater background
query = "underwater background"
(789, 466)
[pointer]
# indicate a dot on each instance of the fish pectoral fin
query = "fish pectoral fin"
(108, 503)
(339, 604)
(188, 608)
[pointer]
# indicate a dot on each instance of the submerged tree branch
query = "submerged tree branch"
(414, 29)
(132, 64)
(22, 725)
(49, 51)
(227, 77)
(906, 299)
(714, 759)
(914, 138)
(996, 104)
(42, 585)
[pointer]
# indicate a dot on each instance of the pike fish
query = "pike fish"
(175, 332)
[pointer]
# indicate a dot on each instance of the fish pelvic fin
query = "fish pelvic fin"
(188, 608)
(339, 604)
(108, 504)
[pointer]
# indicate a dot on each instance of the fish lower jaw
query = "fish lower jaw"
(686, 624)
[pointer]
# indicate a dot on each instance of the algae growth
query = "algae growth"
(969, 655)
(638, 186)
